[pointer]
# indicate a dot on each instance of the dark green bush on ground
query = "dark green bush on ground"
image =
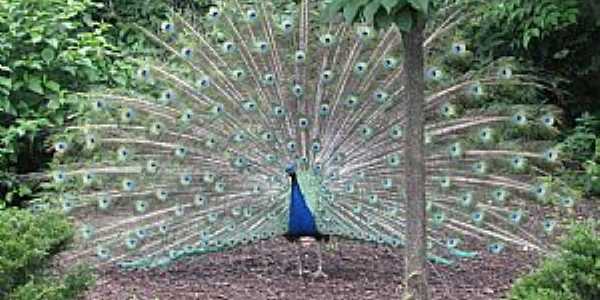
(69, 287)
(27, 241)
(582, 147)
(573, 275)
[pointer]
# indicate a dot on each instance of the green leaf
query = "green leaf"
(52, 86)
(351, 9)
(36, 38)
(404, 20)
(52, 42)
(5, 82)
(370, 10)
(7, 107)
(35, 84)
(389, 5)
(421, 6)
(47, 55)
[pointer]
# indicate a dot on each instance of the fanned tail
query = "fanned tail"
(194, 159)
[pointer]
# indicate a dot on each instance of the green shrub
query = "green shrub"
(70, 286)
(573, 275)
(582, 147)
(48, 49)
(535, 32)
(27, 241)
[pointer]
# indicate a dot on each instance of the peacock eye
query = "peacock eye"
(187, 52)
(217, 109)
(278, 110)
(298, 90)
(143, 73)
(324, 110)
(60, 147)
(439, 217)
(269, 78)
(287, 26)
(452, 243)
(186, 179)
(505, 73)
(360, 67)
(203, 82)
(102, 253)
(228, 47)
(263, 47)
(291, 146)
(496, 248)
(459, 48)
(390, 63)
(519, 119)
(167, 27)
(316, 147)
(393, 160)
(364, 32)
(131, 243)
(327, 76)
(238, 74)
(303, 123)
(214, 12)
(251, 14)
(98, 104)
(103, 202)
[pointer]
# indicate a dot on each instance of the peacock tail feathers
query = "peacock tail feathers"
(193, 159)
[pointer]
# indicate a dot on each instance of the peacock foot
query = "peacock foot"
(319, 274)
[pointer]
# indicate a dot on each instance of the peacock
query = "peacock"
(257, 121)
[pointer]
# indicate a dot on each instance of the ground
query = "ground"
(355, 271)
(269, 271)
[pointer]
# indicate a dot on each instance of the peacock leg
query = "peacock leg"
(299, 255)
(319, 272)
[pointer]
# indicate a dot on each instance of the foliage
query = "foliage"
(519, 22)
(381, 12)
(535, 32)
(48, 48)
(73, 284)
(27, 242)
(582, 147)
(124, 15)
(574, 275)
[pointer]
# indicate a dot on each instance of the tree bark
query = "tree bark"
(416, 287)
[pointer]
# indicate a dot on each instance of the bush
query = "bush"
(48, 48)
(573, 275)
(73, 284)
(28, 240)
(582, 147)
(535, 31)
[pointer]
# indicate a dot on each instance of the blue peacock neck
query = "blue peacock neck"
(301, 220)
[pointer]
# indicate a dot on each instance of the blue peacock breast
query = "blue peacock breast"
(301, 220)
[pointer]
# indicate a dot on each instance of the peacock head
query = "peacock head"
(291, 169)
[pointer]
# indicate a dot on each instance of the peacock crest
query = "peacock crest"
(193, 159)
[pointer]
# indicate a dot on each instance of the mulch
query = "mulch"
(269, 270)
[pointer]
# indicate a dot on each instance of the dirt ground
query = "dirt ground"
(269, 271)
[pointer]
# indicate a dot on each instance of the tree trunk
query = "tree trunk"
(415, 273)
